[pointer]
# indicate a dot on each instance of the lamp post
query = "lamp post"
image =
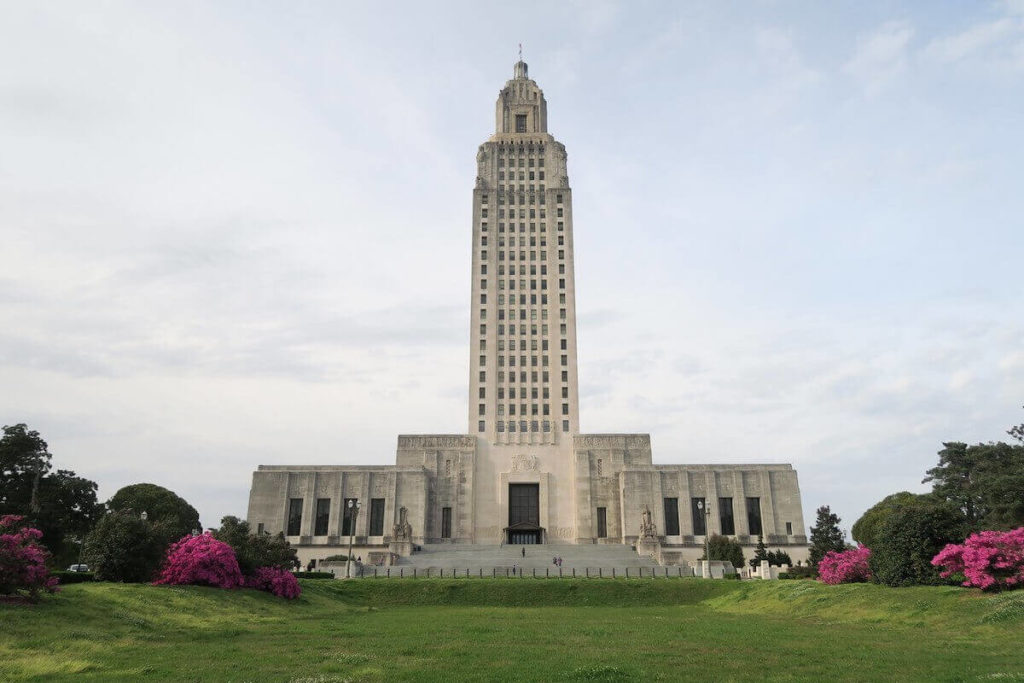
(702, 506)
(353, 510)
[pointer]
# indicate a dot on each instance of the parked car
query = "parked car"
(78, 568)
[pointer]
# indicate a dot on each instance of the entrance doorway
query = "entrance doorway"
(524, 514)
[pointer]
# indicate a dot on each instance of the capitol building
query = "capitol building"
(523, 473)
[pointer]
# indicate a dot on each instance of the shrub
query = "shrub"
(277, 581)
(123, 548)
(336, 558)
(312, 575)
(23, 559)
(778, 558)
(866, 529)
(849, 566)
(908, 539)
(255, 550)
(201, 560)
(725, 549)
(990, 560)
(74, 577)
(800, 572)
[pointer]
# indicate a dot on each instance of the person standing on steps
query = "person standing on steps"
(524, 551)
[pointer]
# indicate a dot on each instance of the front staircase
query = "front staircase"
(487, 560)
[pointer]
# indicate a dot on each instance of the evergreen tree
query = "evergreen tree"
(826, 535)
(760, 552)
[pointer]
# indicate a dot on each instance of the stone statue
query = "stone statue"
(403, 530)
(647, 528)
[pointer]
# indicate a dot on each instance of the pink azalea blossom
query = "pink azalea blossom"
(849, 566)
(22, 559)
(201, 560)
(280, 582)
(990, 560)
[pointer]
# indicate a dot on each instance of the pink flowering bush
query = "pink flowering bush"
(23, 560)
(201, 560)
(990, 560)
(280, 582)
(849, 566)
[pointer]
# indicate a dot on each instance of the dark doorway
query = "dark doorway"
(524, 514)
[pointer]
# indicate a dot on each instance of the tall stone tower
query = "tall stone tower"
(523, 473)
(523, 397)
(523, 383)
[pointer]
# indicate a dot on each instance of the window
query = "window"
(671, 516)
(565, 425)
(323, 515)
(483, 409)
(754, 516)
(697, 512)
(259, 529)
(789, 528)
(483, 376)
(602, 522)
(480, 426)
(294, 516)
(725, 517)
(376, 517)
(347, 528)
(565, 409)
(483, 392)
(446, 522)
(520, 124)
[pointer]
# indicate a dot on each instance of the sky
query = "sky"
(238, 233)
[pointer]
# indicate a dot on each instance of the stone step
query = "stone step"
(539, 557)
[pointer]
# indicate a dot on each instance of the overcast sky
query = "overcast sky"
(238, 233)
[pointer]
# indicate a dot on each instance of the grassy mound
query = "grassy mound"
(443, 629)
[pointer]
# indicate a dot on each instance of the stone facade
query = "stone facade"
(523, 470)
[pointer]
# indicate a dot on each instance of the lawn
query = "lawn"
(505, 629)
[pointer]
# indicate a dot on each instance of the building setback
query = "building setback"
(523, 473)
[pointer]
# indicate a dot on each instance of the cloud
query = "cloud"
(881, 57)
(992, 47)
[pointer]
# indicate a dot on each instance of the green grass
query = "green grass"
(508, 629)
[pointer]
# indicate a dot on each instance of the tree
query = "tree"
(61, 504)
(170, 515)
(123, 547)
(985, 481)
(865, 529)
(910, 536)
(826, 535)
(725, 549)
(760, 552)
(778, 558)
(255, 551)
(1017, 432)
